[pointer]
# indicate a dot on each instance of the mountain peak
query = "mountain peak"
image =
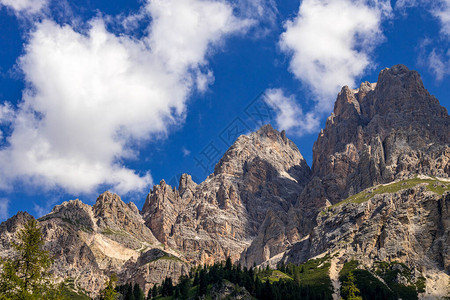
(186, 184)
(16, 221)
(267, 130)
(362, 140)
(267, 144)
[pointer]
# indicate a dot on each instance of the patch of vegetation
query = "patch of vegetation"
(313, 276)
(109, 231)
(390, 272)
(69, 293)
(273, 276)
(78, 224)
(433, 185)
(420, 284)
(309, 280)
(166, 257)
(370, 287)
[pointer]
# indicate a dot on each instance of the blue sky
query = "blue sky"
(102, 95)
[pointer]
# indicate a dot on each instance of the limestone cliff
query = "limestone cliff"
(262, 173)
(382, 131)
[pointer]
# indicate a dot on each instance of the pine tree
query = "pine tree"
(129, 294)
(202, 282)
(137, 292)
(167, 287)
(349, 290)
(110, 293)
(228, 264)
(184, 286)
(26, 275)
(155, 291)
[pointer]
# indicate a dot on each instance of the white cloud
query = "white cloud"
(25, 6)
(263, 11)
(290, 116)
(439, 59)
(93, 96)
(439, 64)
(6, 116)
(183, 30)
(4, 204)
(442, 12)
(402, 4)
(330, 42)
(6, 113)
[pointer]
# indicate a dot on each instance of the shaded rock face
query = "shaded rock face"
(381, 132)
(261, 173)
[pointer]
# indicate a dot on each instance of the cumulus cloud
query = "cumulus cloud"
(25, 6)
(93, 96)
(330, 43)
(4, 203)
(289, 114)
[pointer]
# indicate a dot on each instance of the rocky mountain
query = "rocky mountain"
(380, 132)
(91, 242)
(261, 174)
(378, 190)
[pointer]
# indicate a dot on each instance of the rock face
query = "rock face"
(261, 175)
(152, 267)
(263, 204)
(91, 242)
(9, 228)
(410, 226)
(164, 204)
(380, 132)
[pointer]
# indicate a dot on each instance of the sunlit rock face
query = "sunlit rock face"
(262, 174)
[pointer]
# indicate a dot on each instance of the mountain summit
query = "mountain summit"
(380, 132)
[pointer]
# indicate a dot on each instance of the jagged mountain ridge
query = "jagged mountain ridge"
(382, 132)
(220, 216)
(263, 204)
